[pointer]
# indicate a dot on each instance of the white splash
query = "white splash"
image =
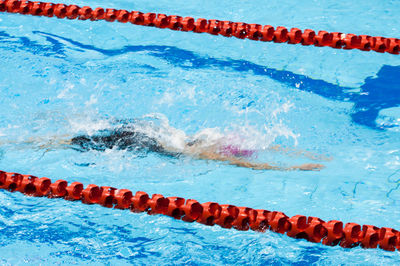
(157, 126)
(87, 124)
(66, 92)
(169, 97)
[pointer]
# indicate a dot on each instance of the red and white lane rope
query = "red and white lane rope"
(239, 30)
(313, 229)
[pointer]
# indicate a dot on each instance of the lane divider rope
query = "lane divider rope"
(313, 229)
(239, 30)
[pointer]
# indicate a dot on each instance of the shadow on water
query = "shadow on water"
(375, 94)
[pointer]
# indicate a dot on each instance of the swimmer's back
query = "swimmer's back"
(122, 139)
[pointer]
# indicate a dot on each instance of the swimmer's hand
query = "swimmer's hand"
(308, 167)
(266, 166)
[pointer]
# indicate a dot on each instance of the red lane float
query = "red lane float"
(239, 30)
(313, 229)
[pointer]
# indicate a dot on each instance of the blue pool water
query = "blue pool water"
(60, 78)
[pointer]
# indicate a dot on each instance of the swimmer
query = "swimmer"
(129, 135)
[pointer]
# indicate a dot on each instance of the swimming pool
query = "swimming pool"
(62, 77)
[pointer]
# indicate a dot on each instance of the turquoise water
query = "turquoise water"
(60, 78)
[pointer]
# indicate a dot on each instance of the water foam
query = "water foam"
(157, 126)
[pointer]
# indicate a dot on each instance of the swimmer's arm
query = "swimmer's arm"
(299, 152)
(47, 143)
(208, 155)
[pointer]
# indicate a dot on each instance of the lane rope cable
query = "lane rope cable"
(239, 30)
(313, 229)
